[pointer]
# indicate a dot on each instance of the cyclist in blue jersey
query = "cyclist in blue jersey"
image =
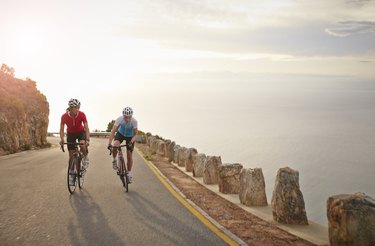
(124, 128)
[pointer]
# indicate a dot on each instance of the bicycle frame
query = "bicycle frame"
(74, 167)
(122, 169)
(76, 152)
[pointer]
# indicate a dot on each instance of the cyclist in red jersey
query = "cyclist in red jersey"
(77, 128)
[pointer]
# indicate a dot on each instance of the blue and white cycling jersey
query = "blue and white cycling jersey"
(126, 129)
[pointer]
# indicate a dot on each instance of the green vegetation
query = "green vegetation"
(110, 125)
(159, 137)
(26, 147)
(149, 158)
(19, 96)
(97, 130)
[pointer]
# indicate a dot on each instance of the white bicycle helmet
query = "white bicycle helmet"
(128, 111)
(74, 103)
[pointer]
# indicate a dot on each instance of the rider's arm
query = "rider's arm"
(87, 130)
(62, 126)
(135, 135)
(114, 130)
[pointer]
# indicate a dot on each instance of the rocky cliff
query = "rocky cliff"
(23, 114)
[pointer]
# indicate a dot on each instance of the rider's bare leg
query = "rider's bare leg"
(71, 151)
(83, 147)
(116, 143)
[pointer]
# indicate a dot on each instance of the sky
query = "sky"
(110, 54)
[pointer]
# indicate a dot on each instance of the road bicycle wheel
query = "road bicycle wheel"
(126, 181)
(72, 168)
(123, 176)
(81, 176)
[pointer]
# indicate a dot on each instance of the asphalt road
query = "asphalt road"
(37, 209)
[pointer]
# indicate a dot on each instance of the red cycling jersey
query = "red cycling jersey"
(74, 125)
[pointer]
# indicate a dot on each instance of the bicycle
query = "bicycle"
(75, 167)
(122, 171)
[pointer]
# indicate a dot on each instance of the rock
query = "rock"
(161, 148)
(211, 170)
(144, 139)
(351, 219)
(148, 140)
(151, 142)
(252, 187)
(229, 178)
(182, 155)
(141, 139)
(190, 155)
(288, 206)
(176, 150)
(24, 115)
(167, 142)
(170, 149)
(198, 165)
(154, 145)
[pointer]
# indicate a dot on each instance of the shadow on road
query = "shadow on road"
(92, 227)
(166, 224)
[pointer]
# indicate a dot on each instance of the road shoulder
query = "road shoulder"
(245, 226)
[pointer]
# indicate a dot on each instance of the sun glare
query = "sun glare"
(27, 42)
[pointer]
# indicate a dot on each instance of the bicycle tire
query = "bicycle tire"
(126, 183)
(123, 176)
(72, 166)
(81, 176)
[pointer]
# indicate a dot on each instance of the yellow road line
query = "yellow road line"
(195, 212)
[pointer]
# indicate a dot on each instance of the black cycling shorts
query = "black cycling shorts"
(72, 137)
(120, 137)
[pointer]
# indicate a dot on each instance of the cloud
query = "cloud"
(348, 28)
(307, 39)
(292, 28)
(358, 2)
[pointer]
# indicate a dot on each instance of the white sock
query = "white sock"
(130, 172)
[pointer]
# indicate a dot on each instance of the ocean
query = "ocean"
(322, 126)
